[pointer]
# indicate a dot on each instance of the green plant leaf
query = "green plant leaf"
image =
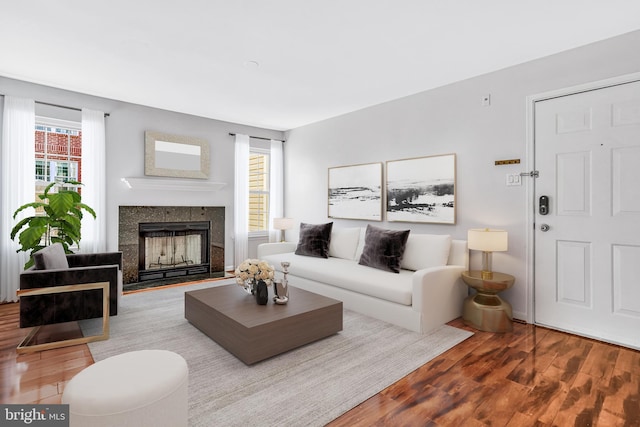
(48, 211)
(33, 222)
(46, 190)
(29, 263)
(88, 209)
(75, 212)
(18, 226)
(61, 203)
(34, 205)
(31, 236)
(70, 228)
(66, 241)
(60, 222)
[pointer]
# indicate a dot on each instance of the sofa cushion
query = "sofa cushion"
(50, 258)
(347, 274)
(314, 240)
(383, 249)
(426, 251)
(344, 242)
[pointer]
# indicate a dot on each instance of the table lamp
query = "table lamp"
(488, 241)
(282, 224)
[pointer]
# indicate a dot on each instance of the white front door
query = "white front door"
(587, 263)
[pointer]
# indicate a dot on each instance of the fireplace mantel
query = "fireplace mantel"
(142, 183)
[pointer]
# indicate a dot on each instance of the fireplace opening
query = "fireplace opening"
(172, 249)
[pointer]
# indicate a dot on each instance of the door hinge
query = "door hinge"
(533, 174)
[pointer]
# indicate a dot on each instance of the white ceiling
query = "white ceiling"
(317, 58)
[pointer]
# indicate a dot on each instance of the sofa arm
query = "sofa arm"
(439, 293)
(265, 249)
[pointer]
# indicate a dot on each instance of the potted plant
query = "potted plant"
(60, 223)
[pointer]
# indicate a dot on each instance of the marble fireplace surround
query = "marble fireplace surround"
(128, 232)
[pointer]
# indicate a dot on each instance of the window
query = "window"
(58, 152)
(258, 191)
(48, 171)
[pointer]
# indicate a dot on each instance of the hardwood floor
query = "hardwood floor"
(530, 377)
(35, 377)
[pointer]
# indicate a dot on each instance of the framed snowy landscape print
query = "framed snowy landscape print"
(422, 189)
(355, 192)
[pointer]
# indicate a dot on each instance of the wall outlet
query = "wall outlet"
(486, 100)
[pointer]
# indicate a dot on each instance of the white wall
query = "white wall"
(451, 119)
(444, 120)
(125, 151)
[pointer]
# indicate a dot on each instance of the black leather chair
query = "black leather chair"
(55, 268)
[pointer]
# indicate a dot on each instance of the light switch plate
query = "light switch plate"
(513, 179)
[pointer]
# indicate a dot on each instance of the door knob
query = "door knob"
(544, 227)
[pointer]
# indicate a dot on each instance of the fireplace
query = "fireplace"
(172, 249)
(158, 244)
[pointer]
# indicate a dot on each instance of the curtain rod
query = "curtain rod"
(64, 106)
(260, 137)
(58, 105)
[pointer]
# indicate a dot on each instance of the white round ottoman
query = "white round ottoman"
(140, 388)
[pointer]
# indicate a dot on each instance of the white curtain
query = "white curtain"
(276, 188)
(241, 199)
(94, 231)
(17, 186)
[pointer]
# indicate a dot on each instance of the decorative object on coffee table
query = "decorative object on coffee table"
(285, 270)
(281, 292)
(281, 288)
(250, 273)
(261, 292)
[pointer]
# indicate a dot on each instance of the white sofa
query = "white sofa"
(427, 292)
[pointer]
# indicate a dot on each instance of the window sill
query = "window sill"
(258, 234)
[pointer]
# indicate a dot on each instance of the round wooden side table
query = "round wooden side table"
(485, 310)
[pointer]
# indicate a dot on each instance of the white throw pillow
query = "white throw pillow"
(425, 251)
(344, 242)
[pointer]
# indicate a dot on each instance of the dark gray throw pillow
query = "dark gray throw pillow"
(383, 249)
(314, 240)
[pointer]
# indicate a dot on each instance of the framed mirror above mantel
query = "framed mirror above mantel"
(176, 156)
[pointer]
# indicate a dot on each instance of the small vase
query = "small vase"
(248, 287)
(261, 292)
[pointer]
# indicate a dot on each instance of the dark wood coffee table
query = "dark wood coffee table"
(253, 332)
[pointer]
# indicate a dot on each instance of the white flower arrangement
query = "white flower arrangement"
(253, 270)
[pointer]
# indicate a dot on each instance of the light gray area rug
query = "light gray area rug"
(309, 386)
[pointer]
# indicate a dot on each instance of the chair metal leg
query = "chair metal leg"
(25, 347)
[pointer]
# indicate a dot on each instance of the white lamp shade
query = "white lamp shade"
(487, 240)
(283, 223)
